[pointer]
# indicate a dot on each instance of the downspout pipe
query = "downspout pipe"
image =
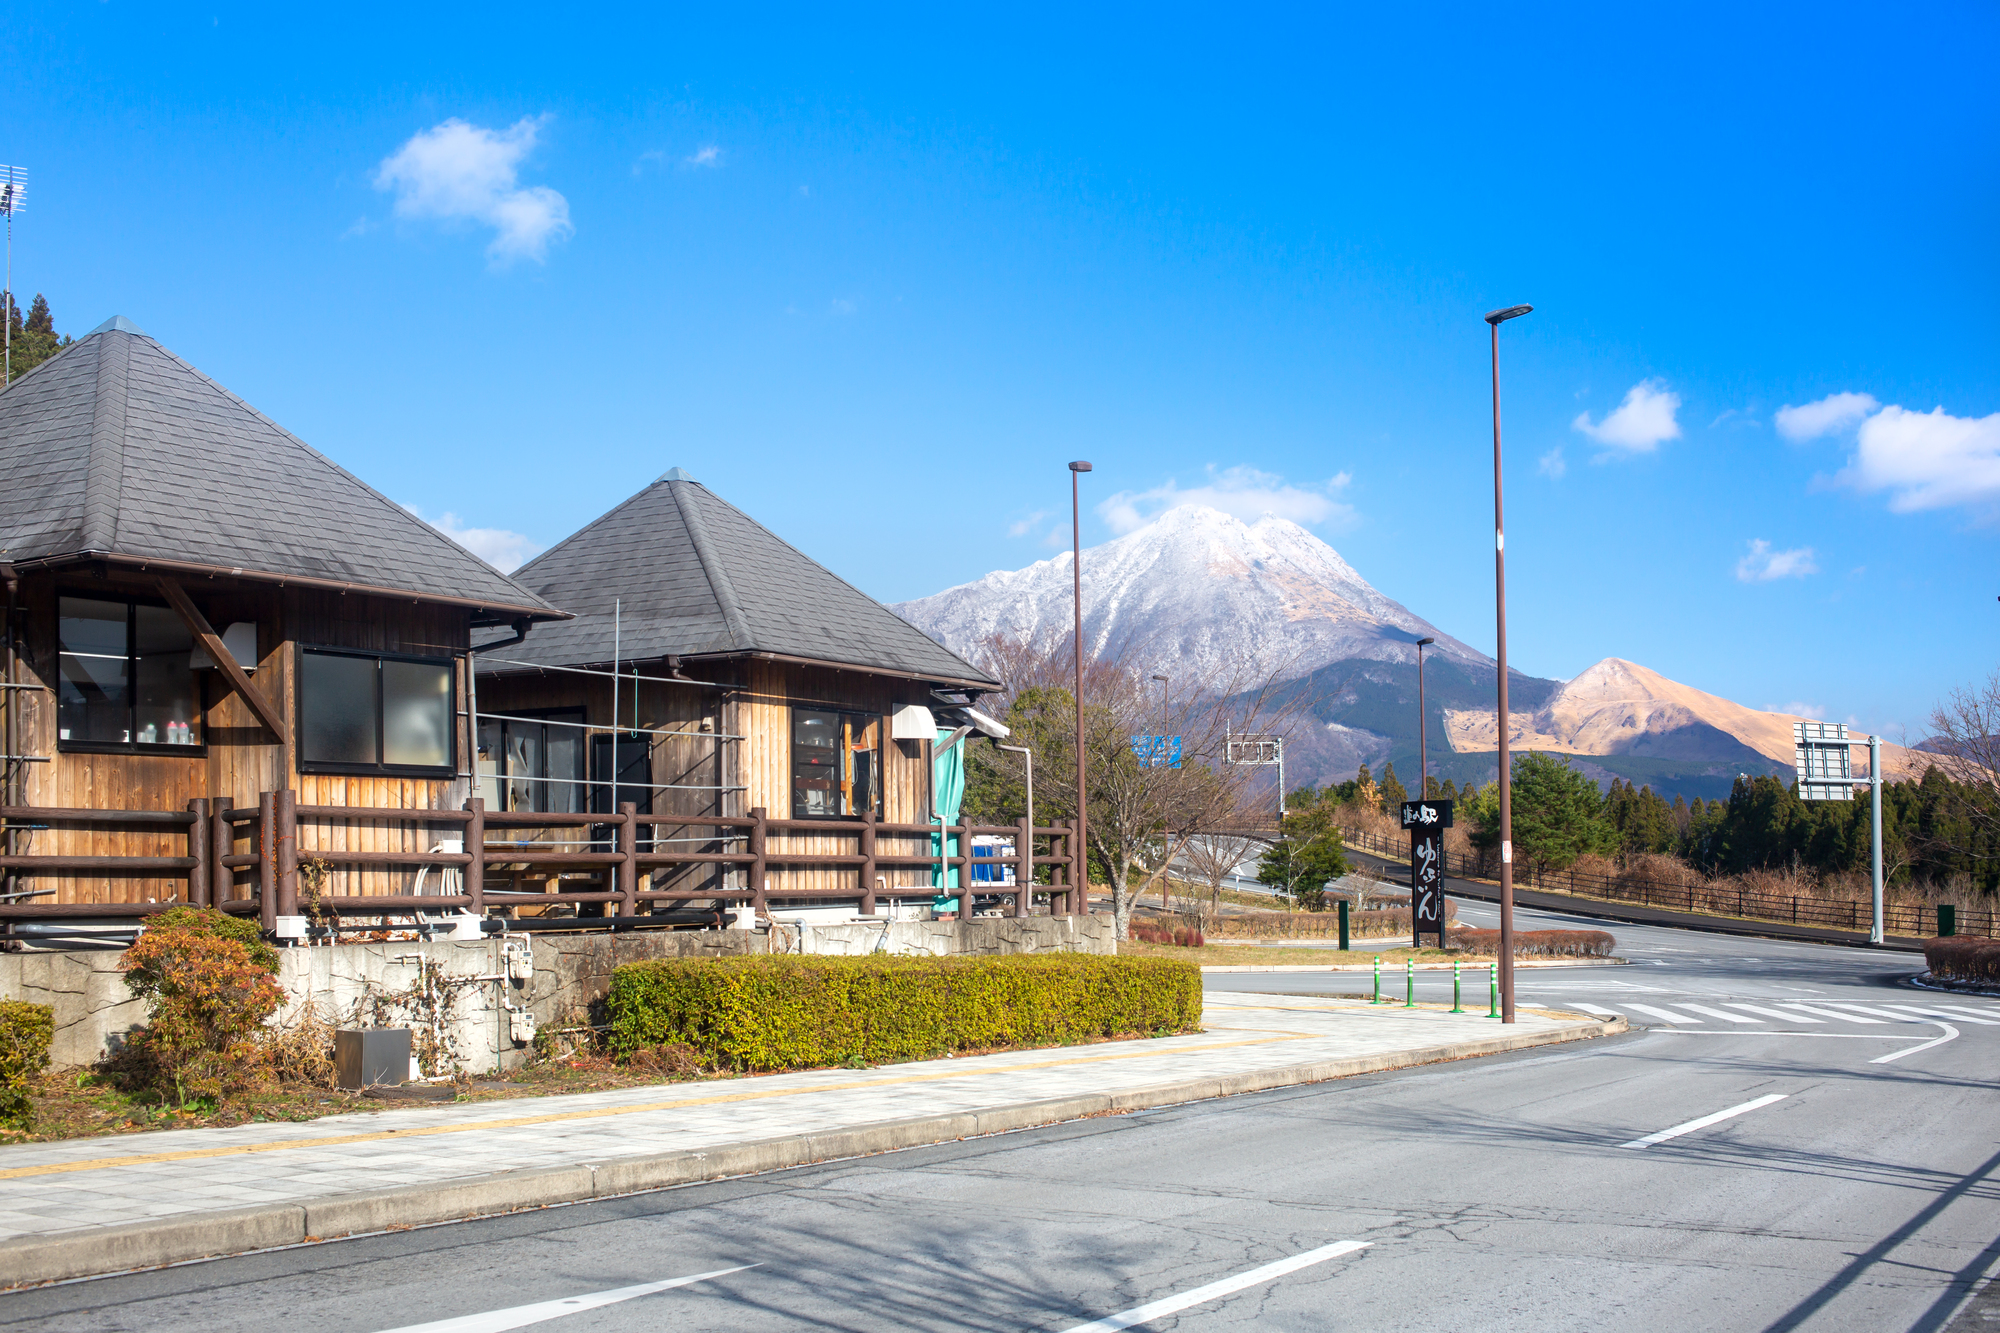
(12, 579)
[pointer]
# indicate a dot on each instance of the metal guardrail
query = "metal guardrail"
(1911, 920)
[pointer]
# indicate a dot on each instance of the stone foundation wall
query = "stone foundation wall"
(467, 988)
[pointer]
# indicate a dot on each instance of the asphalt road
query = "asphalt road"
(1854, 1188)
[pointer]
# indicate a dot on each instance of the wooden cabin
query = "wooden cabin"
(711, 669)
(202, 608)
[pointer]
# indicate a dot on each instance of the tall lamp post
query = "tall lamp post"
(1423, 722)
(1080, 853)
(1495, 320)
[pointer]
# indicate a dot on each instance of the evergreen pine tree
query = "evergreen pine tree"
(1393, 794)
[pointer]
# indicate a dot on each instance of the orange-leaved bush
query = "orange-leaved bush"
(207, 981)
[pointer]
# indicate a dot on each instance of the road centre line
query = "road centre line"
(1950, 1034)
(599, 1113)
(1215, 1291)
(520, 1316)
(1690, 1126)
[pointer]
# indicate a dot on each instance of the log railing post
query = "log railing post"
(288, 853)
(267, 861)
(868, 863)
(475, 847)
(221, 843)
(1024, 867)
(1067, 869)
(758, 834)
(199, 879)
(628, 851)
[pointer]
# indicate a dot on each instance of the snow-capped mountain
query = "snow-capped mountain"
(1197, 594)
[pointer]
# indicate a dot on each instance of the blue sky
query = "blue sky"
(876, 280)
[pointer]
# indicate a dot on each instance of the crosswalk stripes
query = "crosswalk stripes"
(1799, 1012)
(1722, 1014)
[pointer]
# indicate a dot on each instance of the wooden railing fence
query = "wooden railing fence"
(271, 863)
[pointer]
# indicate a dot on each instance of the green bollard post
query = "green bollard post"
(1493, 990)
(1409, 983)
(1377, 997)
(1454, 988)
(1343, 925)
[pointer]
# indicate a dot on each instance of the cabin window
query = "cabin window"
(836, 763)
(125, 679)
(533, 761)
(371, 712)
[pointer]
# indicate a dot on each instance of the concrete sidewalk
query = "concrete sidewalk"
(86, 1206)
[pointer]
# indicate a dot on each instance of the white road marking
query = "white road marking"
(1215, 1291)
(1722, 1014)
(1950, 1034)
(1829, 1013)
(1963, 1010)
(1849, 1005)
(1774, 1013)
(496, 1321)
(1704, 1122)
(1667, 1014)
(1589, 1008)
(1925, 1011)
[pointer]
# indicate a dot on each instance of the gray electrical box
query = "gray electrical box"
(370, 1057)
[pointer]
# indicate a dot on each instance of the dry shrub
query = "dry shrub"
(1536, 943)
(206, 980)
(1185, 936)
(1963, 958)
(300, 1049)
(673, 1059)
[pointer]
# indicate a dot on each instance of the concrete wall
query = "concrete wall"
(460, 993)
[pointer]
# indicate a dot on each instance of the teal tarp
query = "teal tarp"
(948, 788)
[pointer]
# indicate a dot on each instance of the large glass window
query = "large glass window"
(533, 761)
(125, 679)
(364, 711)
(836, 759)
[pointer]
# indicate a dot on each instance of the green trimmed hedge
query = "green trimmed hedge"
(26, 1030)
(793, 1012)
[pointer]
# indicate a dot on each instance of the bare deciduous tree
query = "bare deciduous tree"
(1965, 735)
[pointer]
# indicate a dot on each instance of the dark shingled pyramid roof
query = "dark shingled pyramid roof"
(119, 449)
(696, 576)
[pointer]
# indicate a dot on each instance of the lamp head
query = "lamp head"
(1499, 317)
(1422, 642)
(1079, 467)
(1161, 679)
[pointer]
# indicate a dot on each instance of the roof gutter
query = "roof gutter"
(957, 682)
(499, 613)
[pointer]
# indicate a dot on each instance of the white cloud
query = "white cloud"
(1242, 491)
(1929, 460)
(1817, 712)
(457, 171)
(1028, 524)
(1830, 415)
(1764, 564)
(706, 156)
(1552, 464)
(1638, 424)
(505, 551)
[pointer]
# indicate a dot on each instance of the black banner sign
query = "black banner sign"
(1426, 821)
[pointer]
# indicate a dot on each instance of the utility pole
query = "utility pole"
(1496, 319)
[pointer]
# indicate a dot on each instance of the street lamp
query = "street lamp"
(1079, 853)
(1495, 320)
(1423, 721)
(1163, 708)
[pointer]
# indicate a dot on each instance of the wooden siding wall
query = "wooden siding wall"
(764, 714)
(242, 759)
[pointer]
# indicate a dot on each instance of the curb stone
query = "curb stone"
(216, 1233)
